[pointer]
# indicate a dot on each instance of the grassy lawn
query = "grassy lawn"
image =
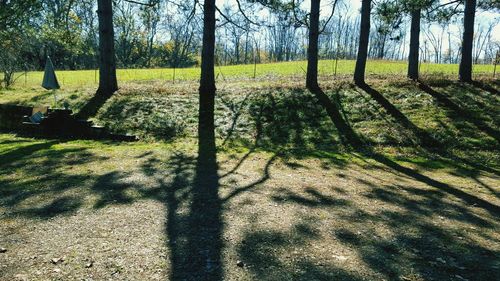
(262, 71)
(291, 202)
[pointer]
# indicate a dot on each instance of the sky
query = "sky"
(355, 6)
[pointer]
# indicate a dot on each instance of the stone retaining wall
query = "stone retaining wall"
(11, 116)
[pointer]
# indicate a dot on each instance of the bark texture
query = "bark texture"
(414, 44)
(312, 49)
(207, 80)
(465, 71)
(359, 71)
(107, 62)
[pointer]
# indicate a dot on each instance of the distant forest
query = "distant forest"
(166, 33)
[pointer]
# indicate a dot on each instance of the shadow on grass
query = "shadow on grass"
(459, 112)
(346, 133)
(424, 138)
(367, 151)
(91, 108)
(486, 87)
(42, 192)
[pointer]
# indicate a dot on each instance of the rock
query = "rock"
(240, 264)
(341, 258)
(56, 260)
(89, 265)
(3, 250)
(20, 277)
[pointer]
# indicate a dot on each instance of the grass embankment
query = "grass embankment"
(285, 115)
(291, 202)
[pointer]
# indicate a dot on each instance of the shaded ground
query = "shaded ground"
(128, 211)
(281, 199)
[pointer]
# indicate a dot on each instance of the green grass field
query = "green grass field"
(296, 68)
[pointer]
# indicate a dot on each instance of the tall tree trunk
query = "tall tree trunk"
(364, 35)
(207, 80)
(414, 44)
(312, 50)
(107, 62)
(465, 71)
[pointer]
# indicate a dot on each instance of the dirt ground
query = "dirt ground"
(101, 211)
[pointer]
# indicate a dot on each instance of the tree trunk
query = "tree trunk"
(207, 80)
(364, 35)
(465, 71)
(414, 44)
(107, 62)
(312, 50)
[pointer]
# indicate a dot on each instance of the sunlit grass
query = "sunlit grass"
(282, 69)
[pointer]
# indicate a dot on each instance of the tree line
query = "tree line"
(168, 33)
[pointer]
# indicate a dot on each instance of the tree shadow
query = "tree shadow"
(464, 196)
(193, 221)
(111, 189)
(486, 87)
(401, 240)
(286, 119)
(91, 108)
(264, 251)
(370, 153)
(459, 112)
(47, 190)
(424, 137)
(236, 109)
(60, 206)
(147, 117)
(317, 199)
(347, 134)
(432, 249)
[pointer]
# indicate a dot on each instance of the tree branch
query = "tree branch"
(244, 15)
(150, 4)
(228, 20)
(329, 18)
(443, 5)
(303, 21)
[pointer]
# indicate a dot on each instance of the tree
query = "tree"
(16, 31)
(14, 12)
(414, 44)
(364, 35)
(207, 88)
(465, 70)
(107, 62)
(312, 49)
